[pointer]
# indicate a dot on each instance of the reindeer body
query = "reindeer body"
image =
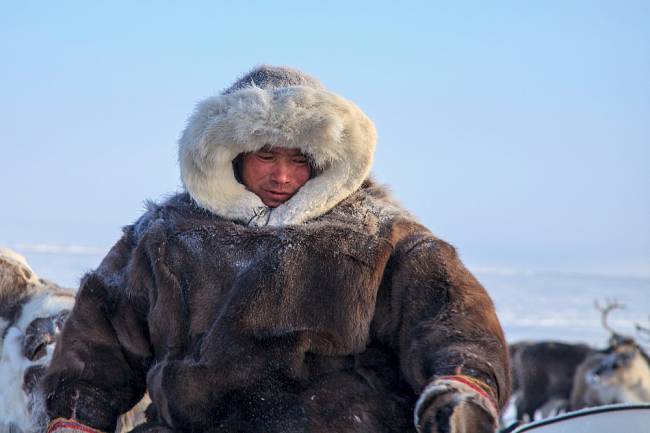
(543, 375)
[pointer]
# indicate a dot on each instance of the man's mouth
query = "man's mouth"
(279, 194)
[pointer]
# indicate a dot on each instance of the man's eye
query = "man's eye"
(300, 161)
(265, 156)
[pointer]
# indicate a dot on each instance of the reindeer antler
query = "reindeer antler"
(645, 331)
(610, 304)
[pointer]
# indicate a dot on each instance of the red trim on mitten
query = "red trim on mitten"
(62, 424)
(475, 384)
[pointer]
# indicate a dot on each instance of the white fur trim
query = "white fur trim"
(336, 134)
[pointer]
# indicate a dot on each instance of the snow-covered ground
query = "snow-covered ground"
(531, 305)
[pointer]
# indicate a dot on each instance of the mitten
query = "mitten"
(456, 404)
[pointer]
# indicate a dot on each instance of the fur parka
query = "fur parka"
(335, 314)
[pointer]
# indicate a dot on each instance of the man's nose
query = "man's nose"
(281, 172)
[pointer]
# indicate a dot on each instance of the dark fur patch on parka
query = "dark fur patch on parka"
(334, 325)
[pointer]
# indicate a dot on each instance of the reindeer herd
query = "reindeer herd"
(548, 377)
(553, 377)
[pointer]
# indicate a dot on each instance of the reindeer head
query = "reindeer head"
(618, 374)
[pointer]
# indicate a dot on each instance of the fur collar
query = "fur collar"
(336, 134)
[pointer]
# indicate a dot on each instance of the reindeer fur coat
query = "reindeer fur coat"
(330, 313)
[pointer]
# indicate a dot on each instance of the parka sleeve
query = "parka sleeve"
(99, 364)
(444, 324)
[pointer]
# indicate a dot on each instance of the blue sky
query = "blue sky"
(517, 131)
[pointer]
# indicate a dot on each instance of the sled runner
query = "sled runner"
(619, 418)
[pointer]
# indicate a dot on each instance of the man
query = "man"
(275, 174)
(281, 292)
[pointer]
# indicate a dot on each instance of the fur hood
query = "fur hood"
(276, 107)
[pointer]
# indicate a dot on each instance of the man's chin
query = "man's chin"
(275, 201)
(272, 203)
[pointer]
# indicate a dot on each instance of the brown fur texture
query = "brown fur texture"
(335, 325)
(18, 283)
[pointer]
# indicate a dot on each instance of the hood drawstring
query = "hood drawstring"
(261, 217)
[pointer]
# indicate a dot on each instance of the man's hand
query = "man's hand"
(454, 412)
(456, 404)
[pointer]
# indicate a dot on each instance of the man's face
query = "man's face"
(275, 174)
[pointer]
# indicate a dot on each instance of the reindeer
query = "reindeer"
(542, 376)
(32, 313)
(618, 374)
